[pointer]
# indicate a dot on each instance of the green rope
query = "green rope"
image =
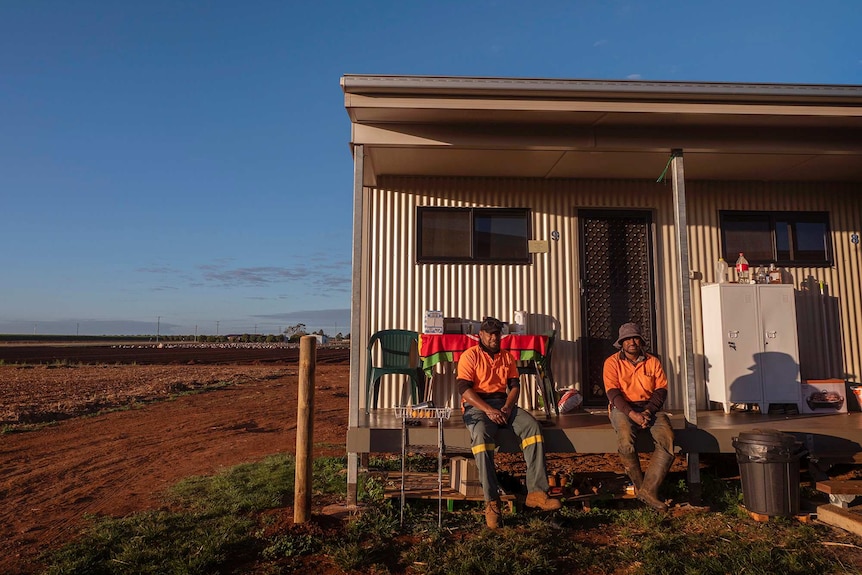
(664, 171)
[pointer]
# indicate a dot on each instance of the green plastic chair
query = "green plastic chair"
(540, 368)
(396, 354)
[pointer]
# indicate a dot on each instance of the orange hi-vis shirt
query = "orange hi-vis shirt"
(637, 382)
(489, 375)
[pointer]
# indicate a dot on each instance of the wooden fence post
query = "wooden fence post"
(304, 429)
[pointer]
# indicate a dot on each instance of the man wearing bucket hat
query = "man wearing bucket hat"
(636, 388)
(489, 385)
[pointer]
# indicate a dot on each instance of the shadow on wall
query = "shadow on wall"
(701, 362)
(771, 373)
(818, 316)
(563, 350)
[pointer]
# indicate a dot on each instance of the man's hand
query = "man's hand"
(648, 417)
(498, 416)
(641, 419)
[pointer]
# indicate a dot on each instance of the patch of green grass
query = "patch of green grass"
(25, 427)
(215, 520)
(507, 550)
(711, 544)
(243, 488)
(154, 543)
(369, 544)
(289, 545)
(329, 476)
(195, 391)
(225, 524)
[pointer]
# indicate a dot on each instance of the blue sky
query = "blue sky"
(184, 166)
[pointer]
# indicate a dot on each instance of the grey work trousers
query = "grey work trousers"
(627, 432)
(483, 433)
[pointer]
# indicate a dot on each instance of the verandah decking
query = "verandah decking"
(828, 437)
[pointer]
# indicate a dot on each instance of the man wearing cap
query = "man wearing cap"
(636, 388)
(489, 386)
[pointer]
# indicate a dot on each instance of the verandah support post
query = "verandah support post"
(304, 430)
(684, 286)
(356, 323)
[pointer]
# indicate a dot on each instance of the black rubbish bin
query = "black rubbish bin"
(769, 468)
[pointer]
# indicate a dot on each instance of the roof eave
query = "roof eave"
(462, 86)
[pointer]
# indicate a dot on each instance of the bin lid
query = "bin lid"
(771, 437)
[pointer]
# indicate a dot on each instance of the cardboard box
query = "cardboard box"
(453, 325)
(433, 322)
(854, 396)
(519, 322)
(824, 396)
(464, 477)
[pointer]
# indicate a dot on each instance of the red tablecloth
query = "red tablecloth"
(436, 348)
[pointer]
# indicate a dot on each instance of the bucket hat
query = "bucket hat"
(628, 330)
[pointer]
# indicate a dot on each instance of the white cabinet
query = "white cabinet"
(750, 344)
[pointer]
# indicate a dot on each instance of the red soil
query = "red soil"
(119, 463)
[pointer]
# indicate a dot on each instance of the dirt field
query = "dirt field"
(120, 462)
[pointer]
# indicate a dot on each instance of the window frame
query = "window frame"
(771, 218)
(474, 212)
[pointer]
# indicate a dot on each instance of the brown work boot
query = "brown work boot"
(632, 465)
(540, 500)
(493, 517)
(659, 465)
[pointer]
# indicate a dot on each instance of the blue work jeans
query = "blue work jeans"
(483, 433)
(627, 432)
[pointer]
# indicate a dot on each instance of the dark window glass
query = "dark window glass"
(782, 240)
(809, 241)
(492, 235)
(444, 233)
(785, 238)
(749, 235)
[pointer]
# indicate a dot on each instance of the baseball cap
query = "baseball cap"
(492, 325)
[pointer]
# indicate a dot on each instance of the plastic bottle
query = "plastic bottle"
(742, 272)
(721, 271)
(774, 274)
(760, 276)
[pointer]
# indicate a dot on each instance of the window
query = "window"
(482, 235)
(785, 238)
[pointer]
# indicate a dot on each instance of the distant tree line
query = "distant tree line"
(290, 335)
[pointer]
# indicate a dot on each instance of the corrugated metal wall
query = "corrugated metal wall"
(829, 324)
(399, 290)
(548, 290)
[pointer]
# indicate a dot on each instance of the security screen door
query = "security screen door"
(616, 287)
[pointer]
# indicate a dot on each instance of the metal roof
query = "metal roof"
(545, 128)
(381, 84)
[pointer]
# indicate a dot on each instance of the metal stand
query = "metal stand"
(410, 415)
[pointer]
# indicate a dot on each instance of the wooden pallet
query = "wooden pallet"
(760, 517)
(420, 485)
(840, 517)
(841, 486)
(842, 493)
(423, 485)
